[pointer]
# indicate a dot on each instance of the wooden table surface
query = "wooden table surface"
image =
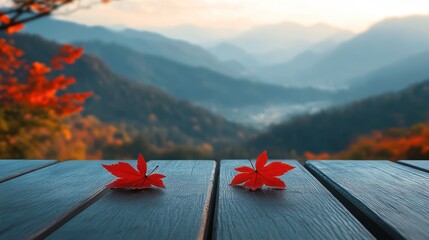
(323, 200)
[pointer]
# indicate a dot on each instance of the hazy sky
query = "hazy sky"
(355, 15)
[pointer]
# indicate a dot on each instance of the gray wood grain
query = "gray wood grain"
(305, 210)
(418, 164)
(34, 202)
(13, 168)
(393, 196)
(178, 212)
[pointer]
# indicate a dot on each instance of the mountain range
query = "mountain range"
(230, 52)
(385, 43)
(275, 43)
(262, 44)
(140, 41)
(390, 78)
(156, 84)
(203, 36)
(118, 100)
(126, 53)
(196, 84)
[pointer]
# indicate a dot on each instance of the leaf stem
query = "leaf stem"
(153, 170)
(254, 169)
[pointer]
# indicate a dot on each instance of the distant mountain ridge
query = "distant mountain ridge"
(196, 84)
(282, 41)
(393, 77)
(229, 52)
(385, 43)
(203, 36)
(141, 41)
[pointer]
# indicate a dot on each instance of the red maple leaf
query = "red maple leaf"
(255, 178)
(131, 178)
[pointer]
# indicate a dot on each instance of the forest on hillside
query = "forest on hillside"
(66, 96)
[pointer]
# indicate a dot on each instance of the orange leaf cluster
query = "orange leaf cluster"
(12, 19)
(314, 156)
(15, 28)
(36, 89)
(393, 144)
(67, 54)
(39, 91)
(86, 138)
(41, 7)
(9, 57)
(4, 20)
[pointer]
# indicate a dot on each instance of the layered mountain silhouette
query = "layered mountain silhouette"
(230, 52)
(203, 36)
(196, 84)
(385, 43)
(140, 41)
(388, 57)
(274, 43)
(122, 101)
(393, 77)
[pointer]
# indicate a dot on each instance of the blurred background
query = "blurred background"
(214, 79)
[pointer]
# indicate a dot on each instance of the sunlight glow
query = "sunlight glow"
(241, 14)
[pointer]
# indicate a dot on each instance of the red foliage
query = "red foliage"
(320, 156)
(131, 178)
(255, 177)
(36, 89)
(15, 28)
(67, 54)
(4, 20)
(9, 57)
(393, 144)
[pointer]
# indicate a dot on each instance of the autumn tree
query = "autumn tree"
(36, 116)
(31, 106)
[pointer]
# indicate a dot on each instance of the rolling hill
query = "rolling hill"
(333, 130)
(121, 101)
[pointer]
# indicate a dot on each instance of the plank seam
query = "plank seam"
(375, 228)
(42, 234)
(210, 226)
(215, 207)
(413, 166)
(26, 172)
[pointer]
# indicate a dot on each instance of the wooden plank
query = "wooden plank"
(305, 210)
(36, 202)
(393, 197)
(178, 212)
(418, 164)
(13, 168)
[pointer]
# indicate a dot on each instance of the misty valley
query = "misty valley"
(263, 116)
(179, 90)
